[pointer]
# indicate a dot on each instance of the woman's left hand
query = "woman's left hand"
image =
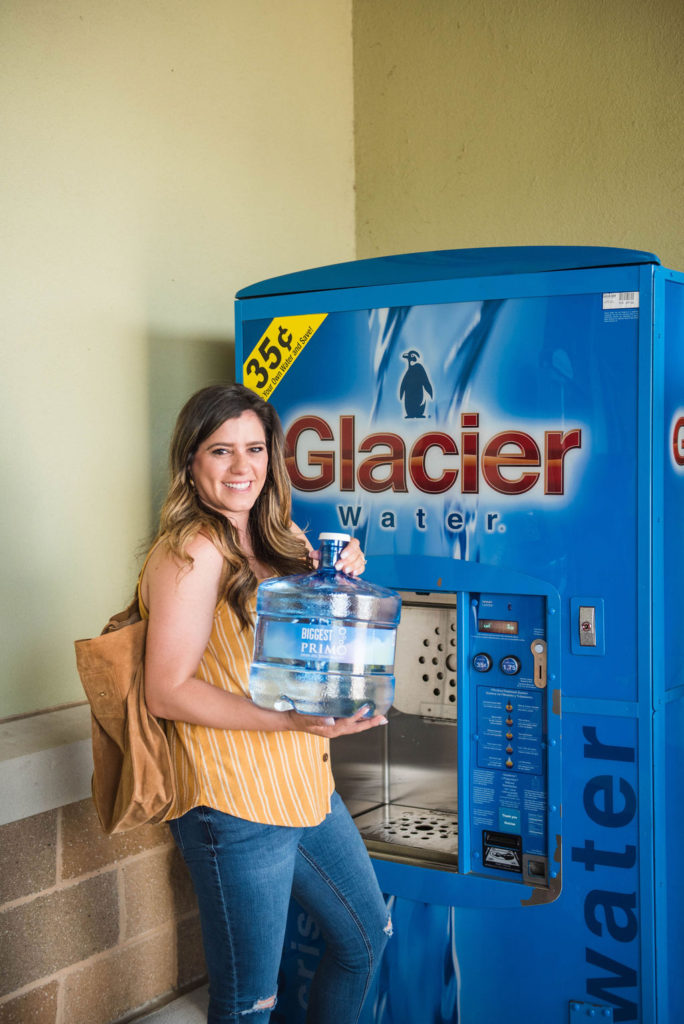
(352, 560)
(331, 728)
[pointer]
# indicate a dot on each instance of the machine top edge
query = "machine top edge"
(448, 264)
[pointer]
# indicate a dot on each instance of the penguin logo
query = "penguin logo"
(415, 386)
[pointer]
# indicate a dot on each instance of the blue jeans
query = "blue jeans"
(244, 874)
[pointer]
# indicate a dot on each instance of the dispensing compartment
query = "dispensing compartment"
(401, 782)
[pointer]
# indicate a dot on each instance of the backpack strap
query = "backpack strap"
(142, 608)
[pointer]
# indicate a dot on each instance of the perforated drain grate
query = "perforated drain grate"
(430, 833)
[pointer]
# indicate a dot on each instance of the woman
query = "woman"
(256, 817)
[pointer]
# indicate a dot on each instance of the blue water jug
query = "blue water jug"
(324, 642)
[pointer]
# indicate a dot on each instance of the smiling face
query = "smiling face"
(229, 467)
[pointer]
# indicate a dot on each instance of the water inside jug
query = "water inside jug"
(324, 641)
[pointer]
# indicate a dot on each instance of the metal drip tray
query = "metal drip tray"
(399, 832)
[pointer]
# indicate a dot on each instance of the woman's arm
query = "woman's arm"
(181, 603)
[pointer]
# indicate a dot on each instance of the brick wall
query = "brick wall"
(92, 928)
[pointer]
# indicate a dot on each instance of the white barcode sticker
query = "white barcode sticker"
(621, 300)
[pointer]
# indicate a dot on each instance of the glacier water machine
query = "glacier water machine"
(503, 430)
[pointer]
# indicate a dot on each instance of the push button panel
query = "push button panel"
(482, 662)
(507, 683)
(508, 637)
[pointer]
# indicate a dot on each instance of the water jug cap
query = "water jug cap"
(335, 536)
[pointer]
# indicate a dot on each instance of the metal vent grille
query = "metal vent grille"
(425, 661)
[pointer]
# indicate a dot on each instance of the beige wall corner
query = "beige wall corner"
(522, 123)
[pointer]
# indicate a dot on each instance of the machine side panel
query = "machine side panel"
(668, 614)
(669, 735)
(671, 436)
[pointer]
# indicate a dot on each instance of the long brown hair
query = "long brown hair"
(184, 514)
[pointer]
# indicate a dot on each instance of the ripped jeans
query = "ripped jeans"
(244, 874)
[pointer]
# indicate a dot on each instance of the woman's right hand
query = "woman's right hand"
(331, 728)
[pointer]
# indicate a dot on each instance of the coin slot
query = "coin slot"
(538, 648)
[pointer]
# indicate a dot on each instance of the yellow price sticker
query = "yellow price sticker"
(276, 350)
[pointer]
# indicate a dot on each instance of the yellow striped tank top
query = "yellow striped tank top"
(276, 778)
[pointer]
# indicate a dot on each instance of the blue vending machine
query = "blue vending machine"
(503, 429)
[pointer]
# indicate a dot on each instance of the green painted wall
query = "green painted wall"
(515, 122)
